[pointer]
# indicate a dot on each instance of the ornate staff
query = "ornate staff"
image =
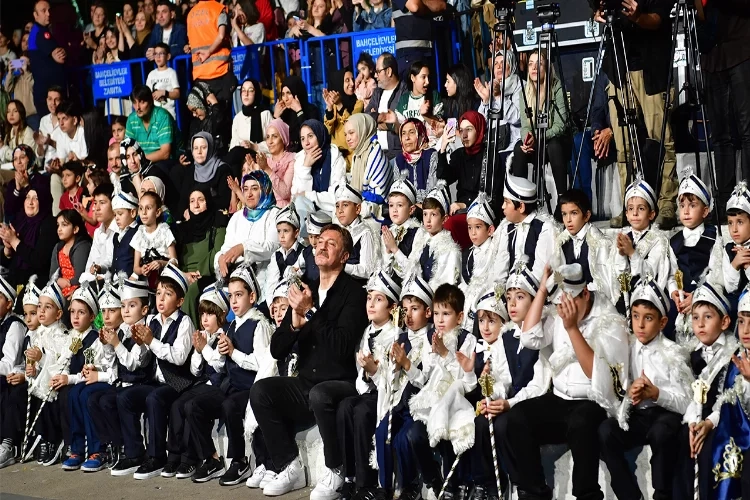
(487, 383)
(75, 346)
(679, 278)
(700, 393)
(624, 281)
(29, 361)
(398, 322)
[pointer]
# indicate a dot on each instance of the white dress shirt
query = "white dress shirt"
(369, 249)
(651, 255)
(209, 354)
(667, 368)
(102, 251)
(273, 273)
(132, 359)
(65, 144)
(177, 353)
(49, 129)
(542, 254)
(259, 358)
(730, 277)
(12, 346)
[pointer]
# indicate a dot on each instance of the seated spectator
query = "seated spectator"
(93, 178)
(294, 109)
(504, 95)
(371, 174)
(69, 255)
(208, 116)
(371, 15)
(318, 23)
(48, 125)
(16, 132)
(207, 172)
(249, 125)
(136, 167)
(29, 241)
(341, 103)
(162, 80)
(167, 31)
(417, 158)
(134, 46)
(26, 178)
(365, 83)
(71, 173)
(21, 87)
(152, 184)
(318, 169)
(70, 141)
(460, 94)
(128, 17)
(96, 136)
(118, 129)
(278, 163)
(419, 102)
(383, 103)
(246, 26)
(152, 127)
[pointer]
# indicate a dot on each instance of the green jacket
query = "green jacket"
(199, 256)
(558, 118)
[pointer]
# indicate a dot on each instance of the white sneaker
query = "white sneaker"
(328, 486)
(290, 479)
(267, 478)
(7, 455)
(257, 477)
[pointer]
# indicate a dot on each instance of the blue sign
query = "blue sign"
(112, 80)
(245, 63)
(374, 44)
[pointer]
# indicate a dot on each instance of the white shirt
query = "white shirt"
(542, 254)
(261, 342)
(322, 294)
(165, 34)
(730, 277)
(208, 354)
(102, 250)
(132, 359)
(651, 255)
(649, 358)
(176, 353)
(12, 346)
(385, 97)
(66, 145)
(163, 79)
(691, 237)
(369, 249)
(48, 129)
(241, 129)
(255, 32)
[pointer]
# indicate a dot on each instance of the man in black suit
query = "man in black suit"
(325, 319)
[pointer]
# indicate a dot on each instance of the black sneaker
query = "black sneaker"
(126, 466)
(412, 492)
(54, 450)
(185, 471)
(211, 468)
(463, 492)
(152, 467)
(238, 471)
(170, 470)
(41, 452)
(347, 490)
(370, 494)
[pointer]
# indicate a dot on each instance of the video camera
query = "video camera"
(548, 13)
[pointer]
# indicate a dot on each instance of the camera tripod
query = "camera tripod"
(613, 39)
(694, 89)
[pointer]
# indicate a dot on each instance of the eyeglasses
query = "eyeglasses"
(377, 71)
(160, 53)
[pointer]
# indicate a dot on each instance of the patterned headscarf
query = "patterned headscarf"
(422, 141)
(267, 198)
(126, 144)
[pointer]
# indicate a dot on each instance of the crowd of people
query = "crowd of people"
(291, 267)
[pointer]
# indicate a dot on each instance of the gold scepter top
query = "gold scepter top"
(624, 280)
(487, 384)
(398, 318)
(75, 345)
(679, 276)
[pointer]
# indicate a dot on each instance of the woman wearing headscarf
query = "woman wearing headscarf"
(251, 233)
(294, 108)
(341, 103)
(278, 163)
(206, 172)
(505, 95)
(137, 167)
(26, 177)
(371, 173)
(29, 241)
(318, 168)
(472, 174)
(208, 116)
(249, 125)
(417, 158)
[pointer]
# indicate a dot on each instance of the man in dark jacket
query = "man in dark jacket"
(383, 103)
(326, 320)
(166, 27)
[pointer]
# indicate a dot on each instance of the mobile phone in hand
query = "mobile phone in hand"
(450, 126)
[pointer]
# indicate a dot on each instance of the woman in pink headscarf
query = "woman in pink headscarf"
(278, 163)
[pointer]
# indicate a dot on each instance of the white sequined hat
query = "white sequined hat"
(31, 293)
(381, 281)
(519, 189)
(124, 200)
(289, 215)
(568, 279)
(216, 294)
(345, 192)
(648, 289)
(713, 294)
(493, 299)
(641, 189)
(246, 274)
(441, 194)
(522, 278)
(402, 185)
(740, 199)
(482, 210)
(86, 294)
(316, 221)
(693, 185)
(417, 287)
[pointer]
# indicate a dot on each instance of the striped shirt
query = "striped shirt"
(161, 130)
(378, 175)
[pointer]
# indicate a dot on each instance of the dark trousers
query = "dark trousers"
(728, 97)
(64, 413)
(282, 408)
(82, 429)
(325, 398)
(550, 419)
(656, 427)
(13, 411)
(153, 401)
(558, 155)
(482, 465)
(179, 430)
(425, 456)
(356, 417)
(202, 410)
(685, 476)
(48, 423)
(103, 411)
(405, 460)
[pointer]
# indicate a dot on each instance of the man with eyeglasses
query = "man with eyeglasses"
(383, 103)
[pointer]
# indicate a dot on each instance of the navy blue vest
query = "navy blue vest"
(583, 258)
(4, 327)
(141, 374)
(290, 259)
(122, 259)
(312, 273)
(535, 229)
(354, 256)
(78, 359)
(467, 264)
(729, 248)
(692, 261)
(179, 377)
(408, 240)
(426, 261)
(208, 372)
(242, 339)
(521, 364)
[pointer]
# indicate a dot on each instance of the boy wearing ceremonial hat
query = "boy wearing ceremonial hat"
(640, 247)
(435, 256)
(398, 239)
(244, 353)
(589, 340)
(306, 266)
(12, 388)
(524, 231)
(659, 393)
(357, 416)
(125, 207)
(365, 255)
(168, 337)
(710, 362)
(124, 304)
(290, 248)
(407, 353)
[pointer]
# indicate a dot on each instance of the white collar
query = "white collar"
(240, 320)
(654, 342)
(420, 332)
(294, 247)
(169, 319)
(83, 333)
(529, 218)
(692, 236)
(718, 344)
(123, 231)
(356, 222)
(637, 235)
(580, 235)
